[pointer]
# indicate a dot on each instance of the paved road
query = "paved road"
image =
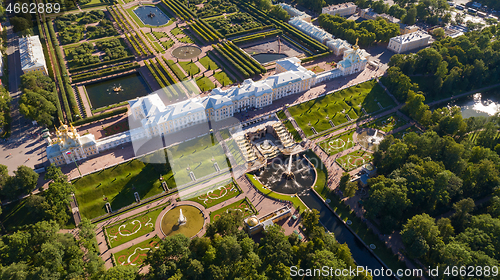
(23, 147)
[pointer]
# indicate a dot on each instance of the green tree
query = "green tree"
(54, 173)
(121, 272)
(420, 234)
(227, 224)
(25, 178)
(446, 230)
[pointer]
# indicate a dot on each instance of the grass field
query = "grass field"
(136, 254)
(321, 170)
(335, 106)
(222, 77)
(243, 205)
(337, 143)
(189, 67)
(208, 63)
(133, 227)
(117, 184)
(167, 44)
(216, 194)
(289, 126)
(354, 160)
(186, 39)
(224, 133)
(204, 83)
(387, 123)
(176, 31)
(159, 35)
(297, 203)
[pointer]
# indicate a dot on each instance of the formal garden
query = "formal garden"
(73, 28)
(215, 194)
(234, 23)
(96, 52)
(338, 143)
(354, 160)
(136, 254)
(387, 123)
(235, 152)
(132, 227)
(334, 109)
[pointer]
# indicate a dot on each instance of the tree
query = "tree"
(121, 272)
(310, 220)
(494, 208)
(419, 234)
(446, 230)
(411, 16)
(438, 33)
(396, 11)
(461, 216)
(4, 175)
(227, 224)
(25, 178)
(54, 173)
(350, 189)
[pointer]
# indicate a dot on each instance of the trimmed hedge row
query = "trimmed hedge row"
(242, 71)
(209, 27)
(175, 87)
(311, 58)
(60, 114)
(241, 62)
(257, 36)
(144, 43)
(247, 57)
(299, 46)
(95, 65)
(112, 13)
(238, 75)
(138, 44)
(105, 72)
(100, 116)
(160, 82)
(167, 82)
(133, 45)
(121, 15)
(201, 33)
(180, 9)
(171, 64)
(59, 80)
(249, 30)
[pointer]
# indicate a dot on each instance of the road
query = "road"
(23, 147)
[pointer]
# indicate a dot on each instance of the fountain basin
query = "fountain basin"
(194, 221)
(186, 52)
(151, 15)
(369, 138)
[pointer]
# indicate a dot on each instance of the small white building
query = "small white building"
(338, 46)
(407, 42)
(293, 12)
(31, 52)
(344, 9)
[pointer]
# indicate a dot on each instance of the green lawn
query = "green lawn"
(321, 170)
(140, 251)
(243, 205)
(387, 123)
(119, 183)
(222, 77)
(94, 3)
(157, 47)
(192, 146)
(18, 213)
(167, 44)
(208, 63)
(189, 67)
(133, 227)
(335, 106)
(354, 160)
(204, 83)
(225, 133)
(177, 71)
(159, 35)
(235, 151)
(297, 203)
(151, 37)
(338, 143)
(216, 194)
(289, 126)
(186, 39)
(176, 31)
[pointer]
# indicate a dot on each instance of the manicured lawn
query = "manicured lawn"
(243, 205)
(133, 227)
(354, 160)
(94, 3)
(297, 203)
(151, 37)
(118, 184)
(167, 44)
(235, 151)
(337, 143)
(186, 39)
(225, 134)
(137, 253)
(176, 31)
(321, 170)
(18, 213)
(222, 77)
(208, 63)
(189, 67)
(289, 126)
(335, 106)
(159, 35)
(192, 146)
(387, 123)
(204, 83)
(216, 194)
(177, 71)
(117, 128)
(157, 47)
(316, 69)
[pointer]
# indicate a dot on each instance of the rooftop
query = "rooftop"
(410, 37)
(339, 6)
(31, 52)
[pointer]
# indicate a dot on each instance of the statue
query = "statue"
(182, 219)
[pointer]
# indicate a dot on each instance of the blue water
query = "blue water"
(264, 58)
(360, 253)
(158, 19)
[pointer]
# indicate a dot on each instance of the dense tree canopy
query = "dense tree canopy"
(38, 101)
(4, 108)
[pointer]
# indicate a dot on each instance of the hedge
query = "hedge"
(177, 12)
(173, 82)
(95, 65)
(249, 69)
(109, 107)
(160, 82)
(249, 30)
(242, 58)
(60, 114)
(244, 73)
(211, 28)
(185, 10)
(200, 33)
(114, 17)
(248, 57)
(133, 45)
(138, 44)
(144, 43)
(238, 75)
(311, 58)
(257, 36)
(105, 72)
(299, 46)
(180, 75)
(100, 116)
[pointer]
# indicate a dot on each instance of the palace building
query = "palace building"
(68, 145)
(31, 53)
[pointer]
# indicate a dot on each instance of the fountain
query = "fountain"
(116, 89)
(369, 139)
(186, 52)
(182, 219)
(151, 15)
(265, 145)
(289, 178)
(288, 173)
